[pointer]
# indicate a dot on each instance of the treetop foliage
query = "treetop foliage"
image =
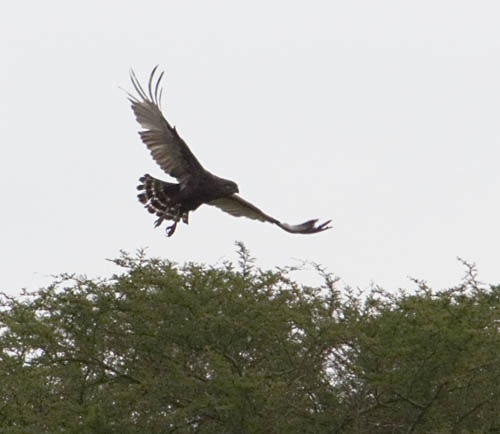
(169, 348)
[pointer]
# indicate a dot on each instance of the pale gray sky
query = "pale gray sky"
(384, 116)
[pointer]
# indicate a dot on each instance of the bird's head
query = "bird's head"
(231, 187)
(223, 187)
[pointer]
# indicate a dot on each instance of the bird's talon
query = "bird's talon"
(171, 229)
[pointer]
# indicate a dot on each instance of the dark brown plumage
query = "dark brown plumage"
(197, 186)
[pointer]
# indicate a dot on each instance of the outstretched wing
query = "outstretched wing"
(239, 207)
(166, 146)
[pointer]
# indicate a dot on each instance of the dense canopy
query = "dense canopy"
(196, 349)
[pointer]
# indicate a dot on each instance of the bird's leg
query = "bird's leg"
(171, 229)
(176, 211)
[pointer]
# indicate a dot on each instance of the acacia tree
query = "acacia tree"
(235, 349)
(428, 361)
(163, 348)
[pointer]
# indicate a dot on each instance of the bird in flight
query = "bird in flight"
(196, 185)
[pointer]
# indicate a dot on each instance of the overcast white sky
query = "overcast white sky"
(384, 116)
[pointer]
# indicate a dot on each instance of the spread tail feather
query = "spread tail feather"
(158, 197)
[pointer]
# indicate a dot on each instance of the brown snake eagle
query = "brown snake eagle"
(197, 186)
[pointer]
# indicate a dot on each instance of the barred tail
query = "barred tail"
(158, 198)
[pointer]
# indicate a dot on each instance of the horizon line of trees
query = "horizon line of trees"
(169, 348)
